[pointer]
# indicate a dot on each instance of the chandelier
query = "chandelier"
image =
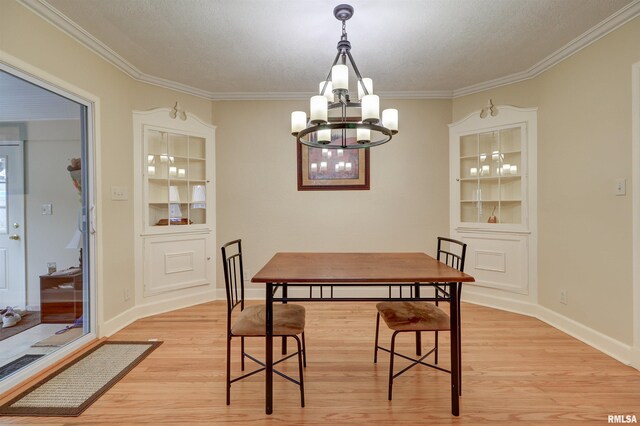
(337, 121)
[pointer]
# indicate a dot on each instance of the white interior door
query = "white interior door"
(12, 251)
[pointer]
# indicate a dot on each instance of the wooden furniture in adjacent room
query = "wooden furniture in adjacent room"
(61, 297)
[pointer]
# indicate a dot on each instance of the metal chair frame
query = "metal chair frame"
(456, 261)
(234, 286)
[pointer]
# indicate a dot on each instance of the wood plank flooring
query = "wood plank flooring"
(516, 369)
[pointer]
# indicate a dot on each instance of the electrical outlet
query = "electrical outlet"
(46, 209)
(564, 297)
(620, 187)
(126, 294)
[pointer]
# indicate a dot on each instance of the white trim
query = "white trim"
(605, 344)
(592, 35)
(59, 20)
(137, 312)
(635, 161)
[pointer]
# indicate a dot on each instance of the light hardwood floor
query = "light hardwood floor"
(515, 369)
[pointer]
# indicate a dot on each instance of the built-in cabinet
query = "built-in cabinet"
(175, 217)
(493, 196)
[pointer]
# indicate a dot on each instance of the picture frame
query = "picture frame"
(324, 169)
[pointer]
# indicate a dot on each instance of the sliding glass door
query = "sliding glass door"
(45, 240)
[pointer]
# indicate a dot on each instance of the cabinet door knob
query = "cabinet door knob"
(14, 237)
(457, 179)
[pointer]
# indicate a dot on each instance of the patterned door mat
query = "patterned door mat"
(72, 389)
(17, 364)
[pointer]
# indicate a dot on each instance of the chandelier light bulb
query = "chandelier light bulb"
(371, 108)
(324, 136)
(318, 106)
(340, 77)
(390, 119)
(298, 121)
(363, 135)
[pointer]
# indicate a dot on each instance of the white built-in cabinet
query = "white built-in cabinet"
(175, 204)
(493, 198)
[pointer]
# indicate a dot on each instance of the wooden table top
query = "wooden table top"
(357, 268)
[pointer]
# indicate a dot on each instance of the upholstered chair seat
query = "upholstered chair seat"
(413, 316)
(288, 320)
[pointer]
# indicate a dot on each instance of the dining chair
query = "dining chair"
(249, 321)
(417, 317)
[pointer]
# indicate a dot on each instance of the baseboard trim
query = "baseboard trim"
(137, 312)
(597, 340)
(636, 359)
(605, 344)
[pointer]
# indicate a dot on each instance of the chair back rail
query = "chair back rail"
(233, 276)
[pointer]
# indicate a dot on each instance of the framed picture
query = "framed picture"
(332, 169)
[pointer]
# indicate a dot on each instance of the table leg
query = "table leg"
(269, 350)
(284, 338)
(455, 355)
(418, 334)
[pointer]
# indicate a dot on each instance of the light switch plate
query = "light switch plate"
(119, 193)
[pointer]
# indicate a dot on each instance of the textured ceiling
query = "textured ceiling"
(286, 46)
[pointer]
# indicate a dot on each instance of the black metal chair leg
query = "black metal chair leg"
(418, 343)
(228, 370)
(375, 351)
(242, 353)
(304, 352)
(391, 356)
(300, 370)
(459, 341)
(435, 353)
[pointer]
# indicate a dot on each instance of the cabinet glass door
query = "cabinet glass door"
(176, 179)
(491, 177)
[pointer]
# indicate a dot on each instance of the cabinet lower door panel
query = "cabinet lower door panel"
(498, 261)
(175, 262)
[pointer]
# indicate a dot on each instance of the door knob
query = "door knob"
(14, 237)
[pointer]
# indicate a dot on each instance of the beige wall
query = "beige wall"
(25, 36)
(584, 144)
(258, 200)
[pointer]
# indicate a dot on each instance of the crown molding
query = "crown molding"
(59, 20)
(603, 28)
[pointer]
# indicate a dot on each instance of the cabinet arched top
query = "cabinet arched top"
(506, 114)
(162, 117)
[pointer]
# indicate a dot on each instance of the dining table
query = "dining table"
(360, 272)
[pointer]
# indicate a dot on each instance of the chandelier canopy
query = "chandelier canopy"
(337, 121)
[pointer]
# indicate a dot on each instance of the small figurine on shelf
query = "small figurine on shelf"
(492, 218)
(74, 169)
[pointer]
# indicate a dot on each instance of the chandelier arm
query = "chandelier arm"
(357, 71)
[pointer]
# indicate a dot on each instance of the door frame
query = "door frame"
(39, 77)
(635, 186)
(19, 144)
